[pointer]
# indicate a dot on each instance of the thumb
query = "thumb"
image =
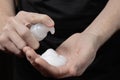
(30, 54)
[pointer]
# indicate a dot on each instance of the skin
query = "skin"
(79, 49)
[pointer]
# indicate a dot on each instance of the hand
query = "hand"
(16, 34)
(80, 50)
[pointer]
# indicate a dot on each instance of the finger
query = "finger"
(7, 44)
(41, 18)
(30, 54)
(24, 33)
(16, 39)
(33, 18)
(28, 37)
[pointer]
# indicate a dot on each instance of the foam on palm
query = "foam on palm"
(51, 56)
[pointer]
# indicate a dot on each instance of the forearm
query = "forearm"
(6, 10)
(107, 22)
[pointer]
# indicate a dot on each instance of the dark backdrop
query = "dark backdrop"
(6, 69)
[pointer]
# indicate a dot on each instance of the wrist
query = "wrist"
(94, 38)
(101, 33)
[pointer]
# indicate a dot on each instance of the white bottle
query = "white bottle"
(40, 31)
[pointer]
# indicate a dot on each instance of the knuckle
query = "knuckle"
(3, 38)
(10, 20)
(7, 29)
(32, 18)
(21, 13)
(24, 33)
(76, 34)
(21, 16)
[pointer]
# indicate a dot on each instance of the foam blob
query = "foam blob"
(40, 31)
(53, 58)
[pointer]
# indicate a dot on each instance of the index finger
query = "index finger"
(34, 18)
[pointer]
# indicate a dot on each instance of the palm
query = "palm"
(79, 51)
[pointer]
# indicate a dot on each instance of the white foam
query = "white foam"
(53, 58)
